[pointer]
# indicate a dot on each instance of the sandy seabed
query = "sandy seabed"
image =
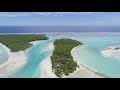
(81, 72)
(18, 59)
(15, 61)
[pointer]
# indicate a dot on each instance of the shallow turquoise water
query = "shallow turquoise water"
(3, 55)
(36, 54)
(90, 56)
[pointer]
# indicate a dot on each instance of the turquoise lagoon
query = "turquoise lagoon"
(35, 54)
(3, 55)
(89, 55)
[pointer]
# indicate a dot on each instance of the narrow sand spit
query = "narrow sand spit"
(15, 60)
(46, 65)
(18, 59)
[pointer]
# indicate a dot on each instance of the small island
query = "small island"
(62, 61)
(17, 42)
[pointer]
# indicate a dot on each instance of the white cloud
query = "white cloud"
(14, 14)
(42, 13)
(63, 13)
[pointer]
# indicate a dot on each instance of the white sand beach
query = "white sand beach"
(82, 71)
(15, 61)
(111, 50)
(46, 68)
(35, 42)
(18, 59)
(46, 65)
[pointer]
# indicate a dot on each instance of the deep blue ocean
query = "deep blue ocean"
(39, 29)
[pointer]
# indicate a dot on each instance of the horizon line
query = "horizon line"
(59, 25)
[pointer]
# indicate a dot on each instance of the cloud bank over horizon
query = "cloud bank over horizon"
(60, 18)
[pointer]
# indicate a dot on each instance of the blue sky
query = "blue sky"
(59, 18)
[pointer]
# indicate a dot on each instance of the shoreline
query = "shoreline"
(110, 50)
(78, 68)
(97, 73)
(14, 62)
(46, 68)
(18, 59)
(35, 42)
(46, 65)
(82, 69)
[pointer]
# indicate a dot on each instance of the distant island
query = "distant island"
(17, 42)
(62, 61)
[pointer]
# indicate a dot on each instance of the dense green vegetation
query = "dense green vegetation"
(17, 42)
(62, 61)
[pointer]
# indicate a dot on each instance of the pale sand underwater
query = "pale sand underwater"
(19, 59)
(82, 71)
(46, 65)
(15, 61)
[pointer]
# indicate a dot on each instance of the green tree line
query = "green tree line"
(17, 42)
(62, 61)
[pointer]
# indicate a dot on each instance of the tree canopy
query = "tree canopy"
(62, 61)
(17, 42)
